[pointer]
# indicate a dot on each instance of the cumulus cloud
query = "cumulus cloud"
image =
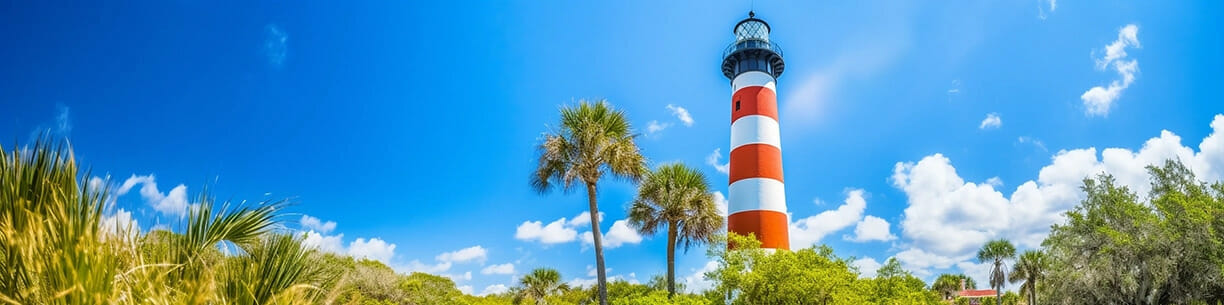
(553, 233)
(172, 204)
(506, 268)
(715, 158)
(120, 224)
(681, 114)
(326, 243)
(867, 267)
(1098, 99)
(808, 231)
(696, 282)
(871, 228)
(619, 234)
(494, 289)
(374, 248)
(474, 253)
(584, 219)
(315, 224)
(992, 120)
(465, 289)
(948, 218)
(720, 203)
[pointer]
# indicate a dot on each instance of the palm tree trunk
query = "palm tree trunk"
(671, 259)
(597, 239)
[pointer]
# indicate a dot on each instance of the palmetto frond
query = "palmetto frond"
(538, 284)
(1030, 268)
(996, 252)
(593, 138)
(676, 194)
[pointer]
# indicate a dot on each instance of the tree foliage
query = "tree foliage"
(592, 139)
(678, 198)
(1119, 248)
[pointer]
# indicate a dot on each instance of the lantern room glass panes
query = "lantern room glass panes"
(752, 29)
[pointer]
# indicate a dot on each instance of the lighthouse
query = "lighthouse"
(756, 197)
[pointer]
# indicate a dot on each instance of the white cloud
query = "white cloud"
(494, 289)
(172, 204)
(696, 282)
(1098, 100)
(326, 243)
(312, 223)
(619, 234)
(63, 122)
(681, 114)
(553, 233)
(720, 203)
(465, 289)
(867, 267)
(808, 231)
(418, 266)
(374, 248)
(275, 44)
(584, 219)
(871, 228)
(591, 271)
(654, 127)
(713, 160)
(474, 253)
(992, 120)
(947, 218)
(120, 224)
(507, 268)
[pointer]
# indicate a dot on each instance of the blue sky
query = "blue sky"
(409, 127)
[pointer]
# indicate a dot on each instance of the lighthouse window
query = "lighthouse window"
(737, 105)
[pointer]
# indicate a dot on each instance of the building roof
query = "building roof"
(978, 293)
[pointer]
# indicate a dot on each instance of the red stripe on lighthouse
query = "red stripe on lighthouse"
(754, 100)
(769, 227)
(756, 161)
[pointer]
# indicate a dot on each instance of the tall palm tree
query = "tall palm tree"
(677, 197)
(948, 284)
(540, 283)
(996, 251)
(1030, 268)
(592, 139)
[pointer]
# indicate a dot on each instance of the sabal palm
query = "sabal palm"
(995, 252)
(677, 197)
(592, 139)
(1030, 268)
(948, 284)
(539, 284)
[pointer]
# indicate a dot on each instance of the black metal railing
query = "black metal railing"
(752, 44)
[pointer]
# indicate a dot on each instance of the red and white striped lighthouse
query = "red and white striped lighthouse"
(756, 197)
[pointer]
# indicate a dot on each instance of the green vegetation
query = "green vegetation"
(591, 140)
(1118, 248)
(677, 197)
(59, 246)
(996, 252)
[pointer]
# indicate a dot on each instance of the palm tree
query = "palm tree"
(677, 197)
(996, 251)
(948, 284)
(1030, 268)
(592, 139)
(540, 283)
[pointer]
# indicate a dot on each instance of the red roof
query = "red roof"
(977, 293)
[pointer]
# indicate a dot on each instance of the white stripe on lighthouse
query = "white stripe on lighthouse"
(755, 129)
(753, 78)
(756, 194)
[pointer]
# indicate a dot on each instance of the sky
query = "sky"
(404, 131)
